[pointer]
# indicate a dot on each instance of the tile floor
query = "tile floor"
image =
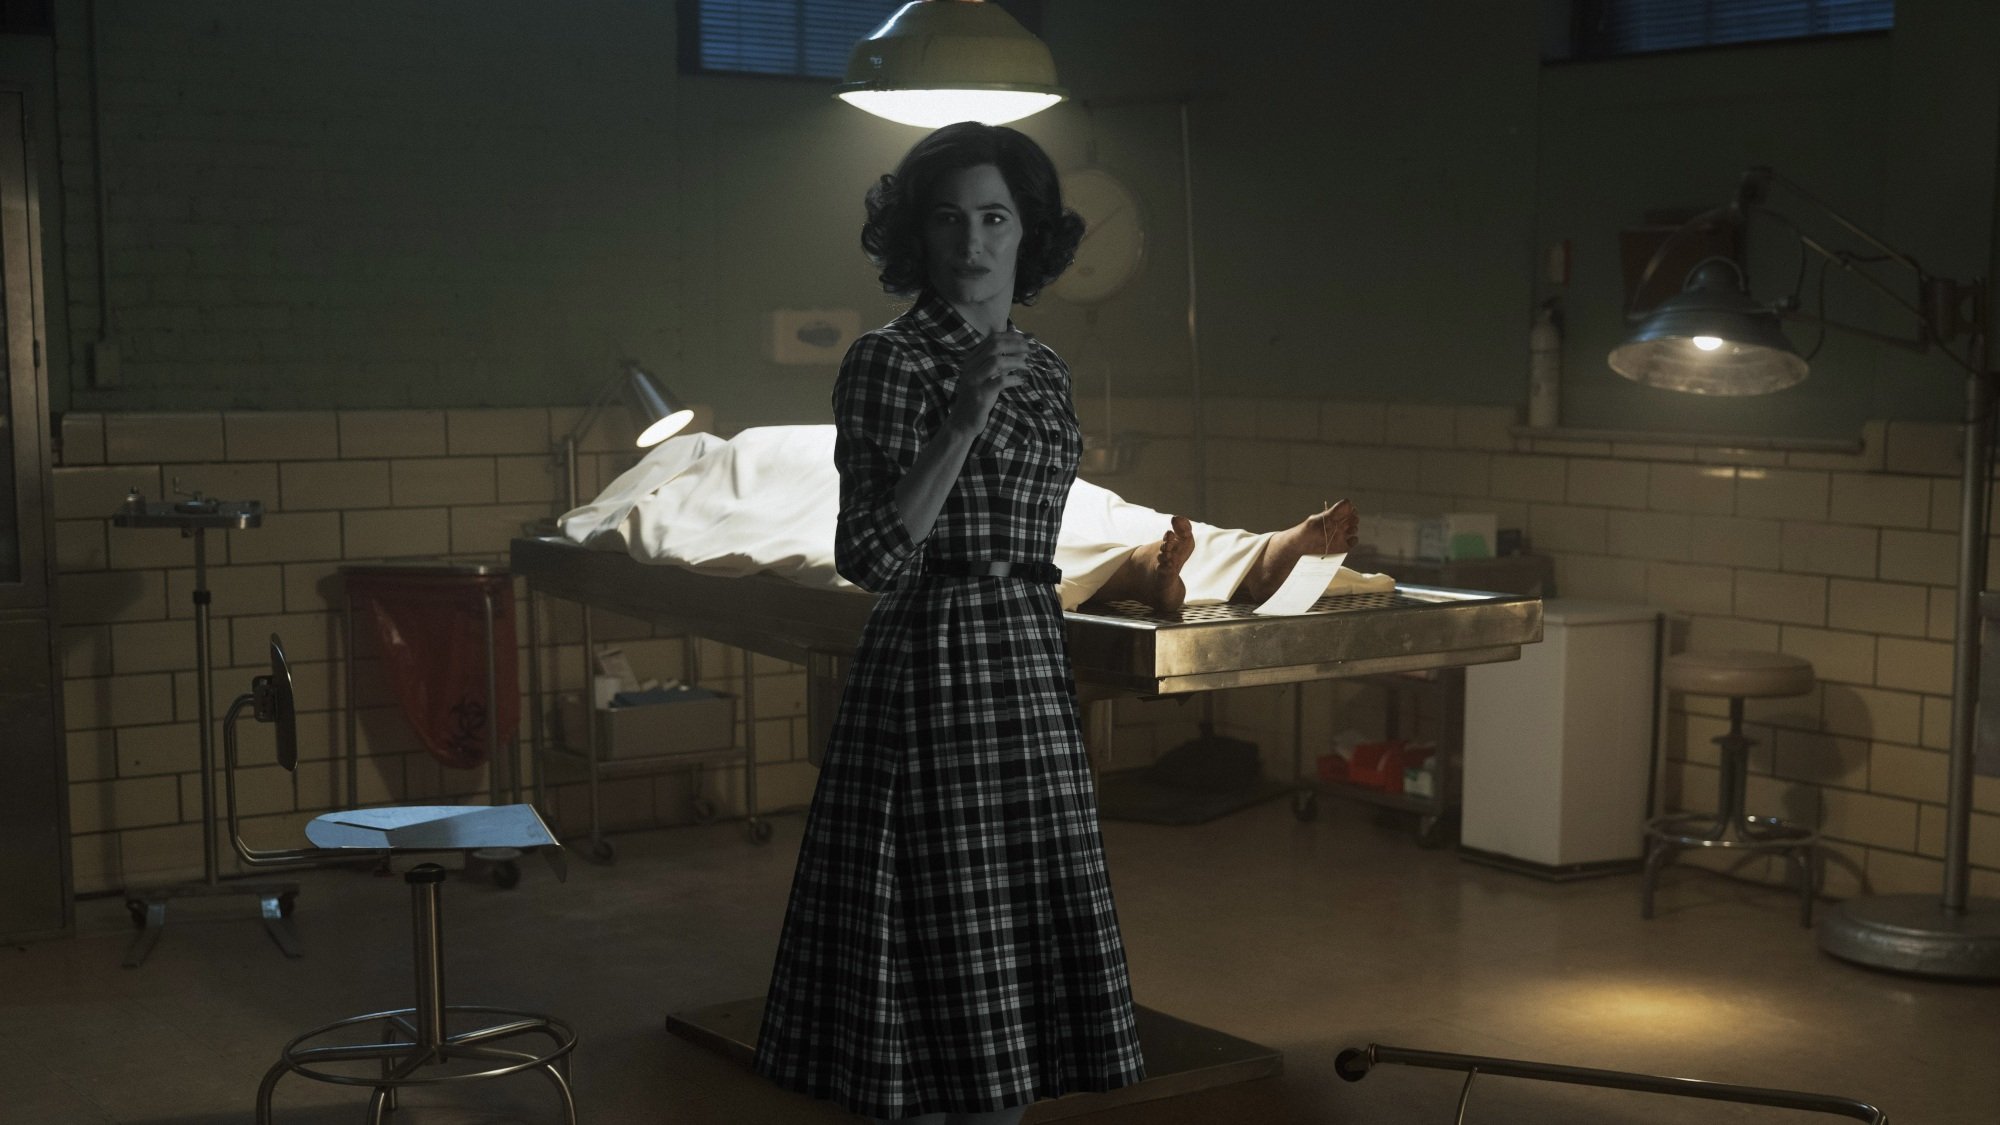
(1305, 937)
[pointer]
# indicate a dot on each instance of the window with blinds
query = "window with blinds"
(791, 38)
(1608, 28)
(800, 38)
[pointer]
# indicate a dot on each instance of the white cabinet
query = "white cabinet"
(1558, 744)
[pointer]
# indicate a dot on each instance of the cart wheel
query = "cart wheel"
(602, 852)
(1433, 832)
(759, 829)
(1305, 806)
(287, 903)
(704, 809)
(506, 874)
(137, 909)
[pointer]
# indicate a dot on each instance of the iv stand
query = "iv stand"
(194, 517)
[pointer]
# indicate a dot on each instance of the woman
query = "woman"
(951, 952)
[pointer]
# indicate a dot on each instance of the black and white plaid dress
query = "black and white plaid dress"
(951, 943)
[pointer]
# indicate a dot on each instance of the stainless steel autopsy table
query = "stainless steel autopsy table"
(1121, 649)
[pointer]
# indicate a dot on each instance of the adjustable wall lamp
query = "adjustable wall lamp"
(1713, 338)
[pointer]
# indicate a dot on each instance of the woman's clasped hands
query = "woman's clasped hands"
(994, 364)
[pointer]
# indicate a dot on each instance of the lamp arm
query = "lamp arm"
(1799, 316)
(1930, 331)
(1750, 196)
(596, 407)
(1919, 343)
(1936, 317)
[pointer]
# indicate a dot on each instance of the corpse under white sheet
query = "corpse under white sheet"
(766, 500)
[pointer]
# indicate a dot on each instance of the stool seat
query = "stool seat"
(1738, 673)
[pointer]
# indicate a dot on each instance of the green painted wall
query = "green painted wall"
(385, 204)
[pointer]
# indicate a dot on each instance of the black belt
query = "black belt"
(1042, 572)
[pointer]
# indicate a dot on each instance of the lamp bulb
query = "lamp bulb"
(1707, 343)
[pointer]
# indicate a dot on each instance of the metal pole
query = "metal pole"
(426, 886)
(1194, 338)
(1298, 732)
(749, 740)
(1355, 1063)
(590, 731)
(495, 783)
(1975, 489)
(589, 672)
(353, 733)
(569, 473)
(535, 713)
(1735, 770)
(1955, 935)
(205, 721)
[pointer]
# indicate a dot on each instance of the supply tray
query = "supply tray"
(679, 729)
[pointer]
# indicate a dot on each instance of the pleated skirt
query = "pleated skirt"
(950, 943)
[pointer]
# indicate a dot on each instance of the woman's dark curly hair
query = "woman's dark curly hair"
(893, 236)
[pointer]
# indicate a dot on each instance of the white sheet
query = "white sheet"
(766, 500)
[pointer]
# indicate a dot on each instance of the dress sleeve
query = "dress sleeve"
(878, 407)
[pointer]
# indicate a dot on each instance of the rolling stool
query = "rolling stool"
(428, 1043)
(1738, 675)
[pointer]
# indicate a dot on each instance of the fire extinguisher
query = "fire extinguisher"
(1545, 366)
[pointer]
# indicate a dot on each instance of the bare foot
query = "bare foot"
(1163, 576)
(1331, 531)
(1152, 572)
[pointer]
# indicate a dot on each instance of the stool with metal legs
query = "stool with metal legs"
(1737, 675)
(419, 1045)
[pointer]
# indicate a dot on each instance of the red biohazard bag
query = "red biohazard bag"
(432, 633)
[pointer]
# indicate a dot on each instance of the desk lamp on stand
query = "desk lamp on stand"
(1713, 338)
(660, 416)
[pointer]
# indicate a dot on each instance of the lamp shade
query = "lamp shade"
(937, 62)
(660, 414)
(1710, 339)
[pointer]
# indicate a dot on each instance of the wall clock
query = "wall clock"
(1114, 239)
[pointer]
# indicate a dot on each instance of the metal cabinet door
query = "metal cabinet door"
(24, 473)
(34, 822)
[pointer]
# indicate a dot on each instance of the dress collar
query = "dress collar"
(935, 318)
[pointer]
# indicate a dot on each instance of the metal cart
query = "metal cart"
(597, 767)
(1437, 813)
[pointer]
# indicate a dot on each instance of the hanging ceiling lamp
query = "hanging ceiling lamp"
(936, 62)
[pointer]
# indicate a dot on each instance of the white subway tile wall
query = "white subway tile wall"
(338, 487)
(1845, 559)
